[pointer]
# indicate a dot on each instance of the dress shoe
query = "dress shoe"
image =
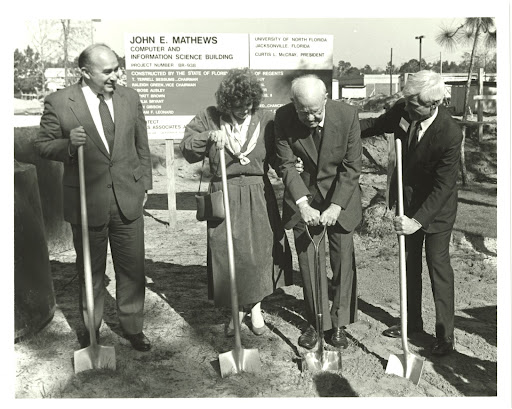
(84, 339)
(259, 330)
(442, 347)
(338, 338)
(258, 326)
(139, 341)
(396, 331)
(309, 338)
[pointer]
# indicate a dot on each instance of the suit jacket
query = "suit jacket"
(127, 169)
(430, 171)
(330, 176)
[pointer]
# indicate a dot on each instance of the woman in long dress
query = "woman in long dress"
(261, 251)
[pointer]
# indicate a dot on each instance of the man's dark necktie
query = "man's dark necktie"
(107, 122)
(414, 138)
(317, 136)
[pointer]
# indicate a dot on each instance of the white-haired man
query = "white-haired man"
(431, 142)
(325, 135)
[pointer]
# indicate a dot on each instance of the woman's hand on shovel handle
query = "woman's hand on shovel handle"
(219, 137)
(405, 226)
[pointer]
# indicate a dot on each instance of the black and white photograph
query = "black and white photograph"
(258, 200)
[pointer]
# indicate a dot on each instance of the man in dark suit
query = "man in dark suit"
(325, 135)
(431, 142)
(108, 121)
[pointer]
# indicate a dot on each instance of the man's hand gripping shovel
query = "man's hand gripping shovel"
(320, 360)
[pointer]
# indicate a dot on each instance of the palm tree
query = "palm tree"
(473, 31)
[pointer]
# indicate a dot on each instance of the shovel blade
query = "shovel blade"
(95, 357)
(326, 361)
(405, 365)
(246, 360)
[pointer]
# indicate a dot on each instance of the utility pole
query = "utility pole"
(93, 28)
(419, 38)
(391, 74)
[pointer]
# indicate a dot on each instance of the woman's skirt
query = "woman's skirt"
(261, 250)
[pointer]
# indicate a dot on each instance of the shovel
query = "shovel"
(94, 356)
(406, 365)
(320, 360)
(239, 359)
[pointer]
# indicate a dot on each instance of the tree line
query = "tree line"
(486, 60)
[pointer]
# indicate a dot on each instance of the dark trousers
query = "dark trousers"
(126, 238)
(437, 252)
(344, 280)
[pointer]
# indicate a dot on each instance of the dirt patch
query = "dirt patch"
(187, 331)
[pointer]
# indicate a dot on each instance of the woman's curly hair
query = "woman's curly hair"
(239, 87)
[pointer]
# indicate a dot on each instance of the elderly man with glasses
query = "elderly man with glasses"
(325, 135)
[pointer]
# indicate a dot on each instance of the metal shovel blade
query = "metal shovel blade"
(95, 357)
(322, 361)
(246, 360)
(406, 365)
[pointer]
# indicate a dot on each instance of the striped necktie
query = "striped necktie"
(107, 122)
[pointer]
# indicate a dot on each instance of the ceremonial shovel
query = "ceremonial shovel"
(94, 356)
(321, 360)
(406, 365)
(239, 359)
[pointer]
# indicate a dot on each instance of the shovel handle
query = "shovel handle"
(231, 258)
(401, 248)
(318, 287)
(85, 246)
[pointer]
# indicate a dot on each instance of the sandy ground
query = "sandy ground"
(187, 331)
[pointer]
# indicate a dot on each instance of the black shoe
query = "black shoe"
(309, 338)
(338, 338)
(442, 347)
(139, 341)
(84, 339)
(396, 331)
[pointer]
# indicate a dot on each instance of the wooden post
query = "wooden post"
(391, 74)
(480, 108)
(171, 186)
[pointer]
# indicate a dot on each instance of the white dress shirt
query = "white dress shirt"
(423, 126)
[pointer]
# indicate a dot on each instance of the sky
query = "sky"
(359, 41)
(362, 35)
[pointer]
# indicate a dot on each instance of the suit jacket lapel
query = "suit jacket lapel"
(426, 140)
(306, 140)
(329, 134)
(80, 109)
(120, 120)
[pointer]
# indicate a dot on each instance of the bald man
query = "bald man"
(325, 135)
(108, 121)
